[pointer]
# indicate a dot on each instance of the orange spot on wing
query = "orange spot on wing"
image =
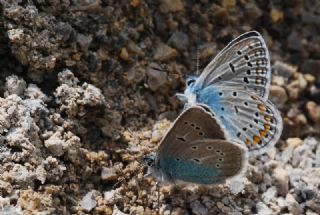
(256, 139)
(262, 107)
(247, 141)
(266, 127)
(262, 133)
(267, 118)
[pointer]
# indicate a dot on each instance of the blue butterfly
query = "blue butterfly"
(235, 86)
(227, 115)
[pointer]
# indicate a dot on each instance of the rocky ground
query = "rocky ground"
(87, 87)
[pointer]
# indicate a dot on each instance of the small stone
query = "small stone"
(108, 174)
(198, 208)
(55, 144)
(220, 205)
(229, 3)
(314, 204)
(88, 202)
(177, 211)
(278, 80)
(15, 85)
(164, 52)
(282, 180)
(293, 92)
(309, 78)
(294, 142)
(16, 35)
(179, 40)
(315, 93)
(156, 136)
(313, 111)
(253, 11)
(269, 194)
(124, 55)
(156, 78)
(134, 3)
(293, 205)
(84, 41)
(263, 209)
(171, 6)
(109, 196)
(283, 69)
(276, 15)
(278, 95)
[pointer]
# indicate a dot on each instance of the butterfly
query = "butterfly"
(227, 117)
(196, 150)
(235, 86)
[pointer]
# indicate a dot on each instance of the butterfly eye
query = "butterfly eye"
(190, 82)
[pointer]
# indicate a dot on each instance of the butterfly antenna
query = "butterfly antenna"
(198, 53)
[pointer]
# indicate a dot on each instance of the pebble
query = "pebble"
(293, 205)
(55, 144)
(263, 209)
(294, 142)
(220, 205)
(282, 180)
(278, 80)
(276, 15)
(198, 208)
(15, 85)
(278, 95)
(124, 55)
(313, 111)
(283, 69)
(270, 194)
(88, 202)
(229, 3)
(108, 174)
(171, 6)
(156, 78)
(164, 52)
(179, 40)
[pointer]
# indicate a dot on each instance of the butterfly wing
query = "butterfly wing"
(243, 64)
(194, 123)
(245, 116)
(197, 136)
(204, 161)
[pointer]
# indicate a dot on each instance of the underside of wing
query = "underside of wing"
(205, 161)
(193, 123)
(244, 64)
(245, 116)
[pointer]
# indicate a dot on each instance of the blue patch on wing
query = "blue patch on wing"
(212, 98)
(189, 171)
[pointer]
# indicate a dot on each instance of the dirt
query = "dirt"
(88, 87)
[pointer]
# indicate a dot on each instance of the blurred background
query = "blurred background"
(88, 86)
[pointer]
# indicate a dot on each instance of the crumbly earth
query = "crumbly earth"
(88, 86)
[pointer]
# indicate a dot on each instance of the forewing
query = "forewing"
(193, 123)
(243, 64)
(245, 116)
(205, 161)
